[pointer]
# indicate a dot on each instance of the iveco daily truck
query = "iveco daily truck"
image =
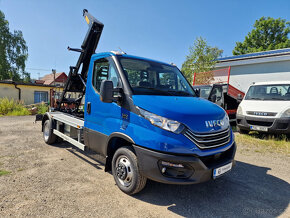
(141, 115)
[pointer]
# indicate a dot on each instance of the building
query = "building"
(60, 79)
(29, 93)
(257, 67)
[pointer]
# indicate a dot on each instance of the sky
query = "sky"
(158, 29)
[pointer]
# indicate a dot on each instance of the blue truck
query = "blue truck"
(142, 116)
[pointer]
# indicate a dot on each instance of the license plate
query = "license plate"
(221, 170)
(259, 128)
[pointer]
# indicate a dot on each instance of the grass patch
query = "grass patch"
(4, 172)
(12, 108)
(263, 143)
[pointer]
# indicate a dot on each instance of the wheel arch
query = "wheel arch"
(45, 117)
(115, 141)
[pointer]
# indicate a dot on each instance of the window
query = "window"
(40, 97)
(269, 92)
(104, 70)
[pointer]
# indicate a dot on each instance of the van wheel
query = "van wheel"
(242, 131)
(126, 172)
(48, 135)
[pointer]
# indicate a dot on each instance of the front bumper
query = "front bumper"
(273, 125)
(196, 169)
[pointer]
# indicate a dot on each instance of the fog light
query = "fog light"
(163, 170)
(165, 163)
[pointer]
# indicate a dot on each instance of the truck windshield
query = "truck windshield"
(269, 92)
(154, 78)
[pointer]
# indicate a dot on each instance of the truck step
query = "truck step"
(70, 140)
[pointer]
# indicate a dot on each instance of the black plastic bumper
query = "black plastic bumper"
(273, 125)
(196, 169)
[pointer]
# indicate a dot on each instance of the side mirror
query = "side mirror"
(213, 98)
(197, 91)
(239, 98)
(107, 92)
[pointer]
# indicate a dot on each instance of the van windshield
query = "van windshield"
(269, 92)
(154, 78)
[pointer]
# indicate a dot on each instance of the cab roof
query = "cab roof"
(272, 83)
(119, 54)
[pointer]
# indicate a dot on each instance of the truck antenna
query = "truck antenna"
(122, 51)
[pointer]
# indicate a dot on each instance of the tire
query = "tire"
(242, 131)
(126, 172)
(48, 135)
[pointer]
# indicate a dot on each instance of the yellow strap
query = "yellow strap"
(87, 19)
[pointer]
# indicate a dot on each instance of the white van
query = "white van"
(265, 108)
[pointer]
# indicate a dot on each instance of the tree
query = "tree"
(268, 34)
(201, 58)
(13, 52)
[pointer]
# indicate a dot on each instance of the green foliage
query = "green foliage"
(12, 108)
(42, 108)
(4, 172)
(201, 58)
(268, 34)
(13, 52)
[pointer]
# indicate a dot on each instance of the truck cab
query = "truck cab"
(146, 120)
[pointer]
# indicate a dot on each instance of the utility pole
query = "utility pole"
(54, 88)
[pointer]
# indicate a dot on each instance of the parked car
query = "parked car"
(265, 108)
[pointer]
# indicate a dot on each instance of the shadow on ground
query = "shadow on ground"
(247, 191)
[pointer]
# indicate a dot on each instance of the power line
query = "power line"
(28, 68)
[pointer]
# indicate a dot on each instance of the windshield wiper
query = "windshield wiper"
(154, 89)
(276, 98)
(181, 93)
(256, 98)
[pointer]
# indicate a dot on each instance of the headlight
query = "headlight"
(240, 111)
(286, 113)
(162, 122)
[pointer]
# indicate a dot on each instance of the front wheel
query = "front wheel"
(126, 172)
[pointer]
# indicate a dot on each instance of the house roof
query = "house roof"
(277, 52)
(26, 84)
(254, 58)
(49, 78)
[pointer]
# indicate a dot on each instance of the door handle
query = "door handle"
(89, 107)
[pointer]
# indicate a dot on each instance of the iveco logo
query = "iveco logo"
(213, 123)
(260, 113)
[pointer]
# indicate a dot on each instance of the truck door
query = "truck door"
(101, 119)
(216, 95)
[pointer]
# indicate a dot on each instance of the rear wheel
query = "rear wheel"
(126, 172)
(48, 135)
(242, 131)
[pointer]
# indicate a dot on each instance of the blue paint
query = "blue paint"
(192, 112)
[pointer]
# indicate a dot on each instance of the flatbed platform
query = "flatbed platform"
(68, 119)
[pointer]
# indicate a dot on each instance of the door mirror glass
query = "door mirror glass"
(239, 97)
(107, 91)
(213, 98)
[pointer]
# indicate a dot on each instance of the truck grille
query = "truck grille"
(260, 123)
(209, 140)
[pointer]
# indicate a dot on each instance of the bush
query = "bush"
(42, 108)
(12, 108)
